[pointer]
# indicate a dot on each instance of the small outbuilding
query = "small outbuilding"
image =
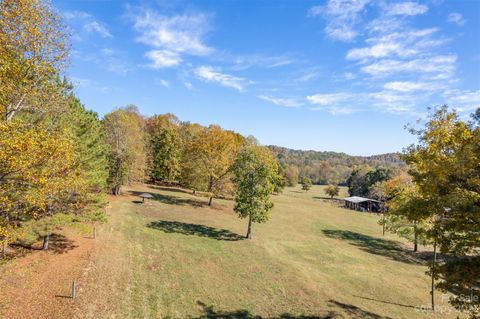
(362, 204)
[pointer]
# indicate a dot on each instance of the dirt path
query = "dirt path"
(38, 285)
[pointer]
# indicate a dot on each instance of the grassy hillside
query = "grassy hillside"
(174, 257)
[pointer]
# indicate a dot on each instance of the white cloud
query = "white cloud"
(376, 51)
(463, 100)
(407, 9)
(96, 27)
(349, 76)
(258, 60)
(401, 44)
(163, 58)
(307, 76)
(188, 85)
(456, 18)
(287, 102)
(439, 66)
(407, 86)
(164, 83)
(342, 17)
(113, 61)
(171, 36)
(87, 22)
(393, 102)
(209, 74)
(334, 103)
(327, 99)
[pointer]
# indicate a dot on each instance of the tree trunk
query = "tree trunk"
(46, 240)
(432, 292)
(249, 230)
(415, 237)
(210, 190)
(116, 190)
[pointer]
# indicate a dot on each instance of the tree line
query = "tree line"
(57, 159)
(53, 155)
(329, 167)
(217, 162)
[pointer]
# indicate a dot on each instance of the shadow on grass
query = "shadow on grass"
(58, 244)
(353, 312)
(356, 312)
(170, 189)
(194, 230)
(377, 246)
(171, 200)
(387, 302)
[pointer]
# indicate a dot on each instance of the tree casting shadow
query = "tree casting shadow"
(354, 312)
(377, 246)
(58, 244)
(171, 200)
(194, 230)
(387, 302)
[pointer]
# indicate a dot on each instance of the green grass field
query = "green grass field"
(174, 257)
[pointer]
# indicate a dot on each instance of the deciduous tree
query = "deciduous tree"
(125, 136)
(306, 184)
(213, 150)
(33, 49)
(255, 173)
(332, 190)
(164, 148)
(445, 168)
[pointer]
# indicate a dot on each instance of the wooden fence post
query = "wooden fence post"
(74, 289)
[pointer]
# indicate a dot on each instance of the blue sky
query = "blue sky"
(338, 75)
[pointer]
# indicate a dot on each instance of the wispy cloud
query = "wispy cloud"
(170, 37)
(263, 61)
(163, 58)
(407, 8)
(114, 61)
(164, 83)
(342, 17)
(407, 86)
(393, 102)
(463, 100)
(87, 23)
(456, 18)
(209, 74)
(287, 102)
(334, 103)
(399, 43)
(438, 67)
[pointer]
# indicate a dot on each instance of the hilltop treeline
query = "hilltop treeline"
(330, 167)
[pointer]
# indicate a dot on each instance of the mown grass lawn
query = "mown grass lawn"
(174, 257)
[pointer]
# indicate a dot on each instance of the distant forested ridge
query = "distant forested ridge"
(324, 167)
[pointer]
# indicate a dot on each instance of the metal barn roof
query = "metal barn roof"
(357, 199)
